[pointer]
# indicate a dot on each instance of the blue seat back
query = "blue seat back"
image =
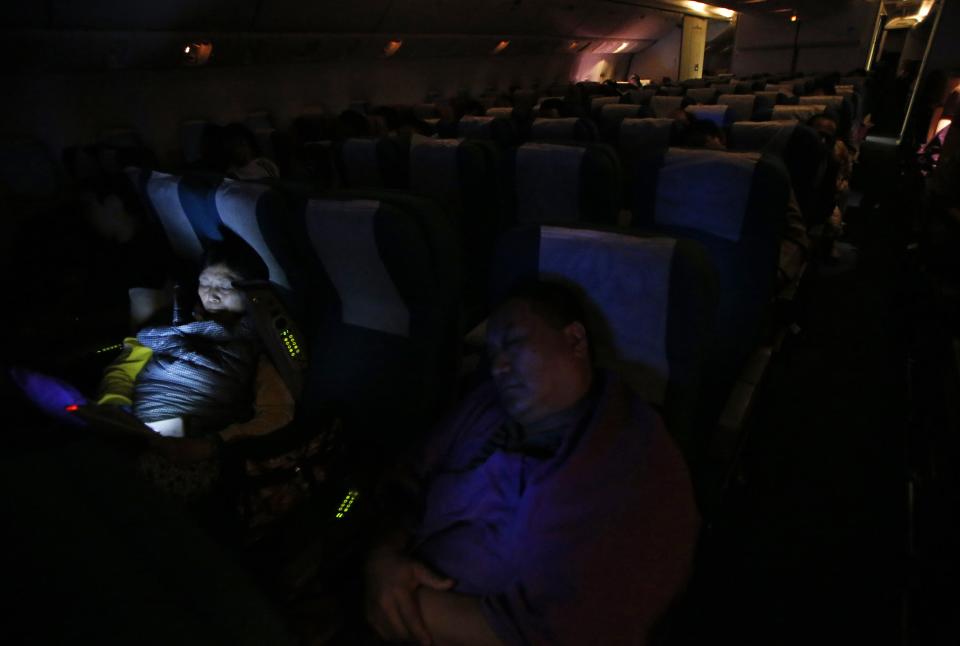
(463, 176)
(734, 204)
(381, 285)
(650, 304)
(555, 183)
(185, 208)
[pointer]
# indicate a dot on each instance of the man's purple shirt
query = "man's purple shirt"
(587, 546)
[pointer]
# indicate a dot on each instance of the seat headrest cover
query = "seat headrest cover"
(237, 204)
(761, 136)
(798, 112)
(614, 111)
(719, 114)
(548, 183)
(472, 126)
(343, 234)
(637, 133)
(362, 163)
(163, 191)
(626, 281)
(433, 166)
(704, 190)
(741, 105)
(191, 135)
(835, 102)
(500, 112)
(702, 95)
(665, 106)
(561, 128)
(597, 102)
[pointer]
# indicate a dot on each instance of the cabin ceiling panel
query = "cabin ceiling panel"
(635, 24)
(168, 15)
(359, 16)
(430, 17)
(803, 8)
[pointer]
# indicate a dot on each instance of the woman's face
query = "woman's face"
(217, 293)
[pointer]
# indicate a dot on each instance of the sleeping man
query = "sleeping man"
(551, 508)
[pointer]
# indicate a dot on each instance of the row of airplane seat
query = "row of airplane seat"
(387, 282)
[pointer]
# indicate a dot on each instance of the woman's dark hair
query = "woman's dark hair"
(236, 254)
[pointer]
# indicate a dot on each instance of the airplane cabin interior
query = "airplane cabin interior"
(488, 322)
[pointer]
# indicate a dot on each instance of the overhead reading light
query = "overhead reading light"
(392, 48)
(196, 54)
(704, 8)
(793, 18)
(621, 47)
(502, 45)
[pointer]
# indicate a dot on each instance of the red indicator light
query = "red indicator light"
(72, 408)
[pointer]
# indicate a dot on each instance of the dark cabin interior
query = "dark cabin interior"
(756, 204)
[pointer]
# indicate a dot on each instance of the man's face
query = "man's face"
(217, 293)
(538, 369)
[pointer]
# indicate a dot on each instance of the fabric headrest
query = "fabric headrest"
(501, 113)
(759, 136)
(612, 112)
(741, 105)
(237, 203)
(473, 126)
(719, 114)
(645, 133)
(433, 166)
(343, 235)
(665, 106)
(548, 183)
(704, 190)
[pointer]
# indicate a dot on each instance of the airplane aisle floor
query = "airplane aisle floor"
(811, 546)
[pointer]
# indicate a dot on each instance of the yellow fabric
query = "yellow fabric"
(116, 387)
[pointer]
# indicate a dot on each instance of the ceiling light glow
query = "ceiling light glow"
(392, 48)
(621, 47)
(502, 45)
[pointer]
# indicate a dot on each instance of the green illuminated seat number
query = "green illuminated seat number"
(290, 342)
(347, 503)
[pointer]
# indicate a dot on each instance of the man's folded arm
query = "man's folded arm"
(454, 619)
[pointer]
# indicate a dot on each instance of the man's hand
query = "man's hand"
(182, 450)
(392, 580)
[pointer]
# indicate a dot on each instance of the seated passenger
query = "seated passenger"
(703, 133)
(839, 170)
(555, 507)
(206, 382)
(243, 157)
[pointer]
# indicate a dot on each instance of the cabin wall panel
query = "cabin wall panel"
(835, 42)
(661, 59)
